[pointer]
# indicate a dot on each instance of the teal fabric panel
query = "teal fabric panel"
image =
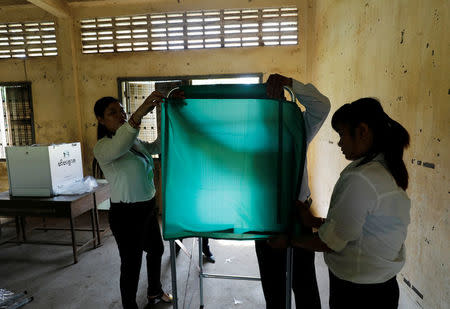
(231, 163)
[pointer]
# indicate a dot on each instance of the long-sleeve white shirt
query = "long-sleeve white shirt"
(317, 108)
(366, 224)
(129, 174)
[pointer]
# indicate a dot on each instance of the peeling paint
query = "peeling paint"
(419, 162)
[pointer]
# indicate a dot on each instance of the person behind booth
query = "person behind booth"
(272, 261)
(366, 226)
(128, 167)
(208, 255)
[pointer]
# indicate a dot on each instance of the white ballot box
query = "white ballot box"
(43, 170)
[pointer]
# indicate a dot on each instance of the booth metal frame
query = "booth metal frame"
(202, 275)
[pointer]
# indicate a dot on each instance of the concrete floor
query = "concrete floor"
(49, 275)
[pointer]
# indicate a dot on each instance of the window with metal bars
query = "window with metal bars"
(16, 116)
(28, 39)
(191, 30)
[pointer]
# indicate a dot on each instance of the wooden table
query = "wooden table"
(62, 206)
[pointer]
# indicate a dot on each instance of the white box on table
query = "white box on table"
(43, 170)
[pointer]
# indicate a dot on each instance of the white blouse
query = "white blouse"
(127, 164)
(366, 224)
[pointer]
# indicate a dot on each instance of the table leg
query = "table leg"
(94, 236)
(23, 226)
(97, 223)
(200, 265)
(74, 242)
(18, 233)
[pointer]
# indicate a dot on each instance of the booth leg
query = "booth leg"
(200, 265)
(173, 268)
(289, 256)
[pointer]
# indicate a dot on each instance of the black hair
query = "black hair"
(99, 109)
(389, 137)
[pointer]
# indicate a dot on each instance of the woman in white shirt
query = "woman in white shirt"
(127, 164)
(364, 233)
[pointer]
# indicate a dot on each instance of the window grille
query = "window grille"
(29, 39)
(191, 30)
(16, 123)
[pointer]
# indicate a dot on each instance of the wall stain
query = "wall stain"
(417, 291)
(427, 240)
(330, 142)
(432, 52)
(407, 282)
(436, 15)
(428, 164)
(428, 44)
(403, 33)
(419, 162)
(412, 161)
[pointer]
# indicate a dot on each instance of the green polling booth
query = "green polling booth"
(232, 162)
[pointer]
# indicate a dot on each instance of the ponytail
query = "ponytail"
(389, 137)
(397, 140)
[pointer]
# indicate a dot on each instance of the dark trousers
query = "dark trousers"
(349, 295)
(272, 269)
(135, 227)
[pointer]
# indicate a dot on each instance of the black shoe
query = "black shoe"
(209, 258)
(161, 297)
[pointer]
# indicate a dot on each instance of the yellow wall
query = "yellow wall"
(397, 51)
(394, 50)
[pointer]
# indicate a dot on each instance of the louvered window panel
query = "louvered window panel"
(191, 30)
(29, 39)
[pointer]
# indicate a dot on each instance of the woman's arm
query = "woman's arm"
(155, 146)
(153, 100)
(108, 149)
(317, 106)
(306, 217)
